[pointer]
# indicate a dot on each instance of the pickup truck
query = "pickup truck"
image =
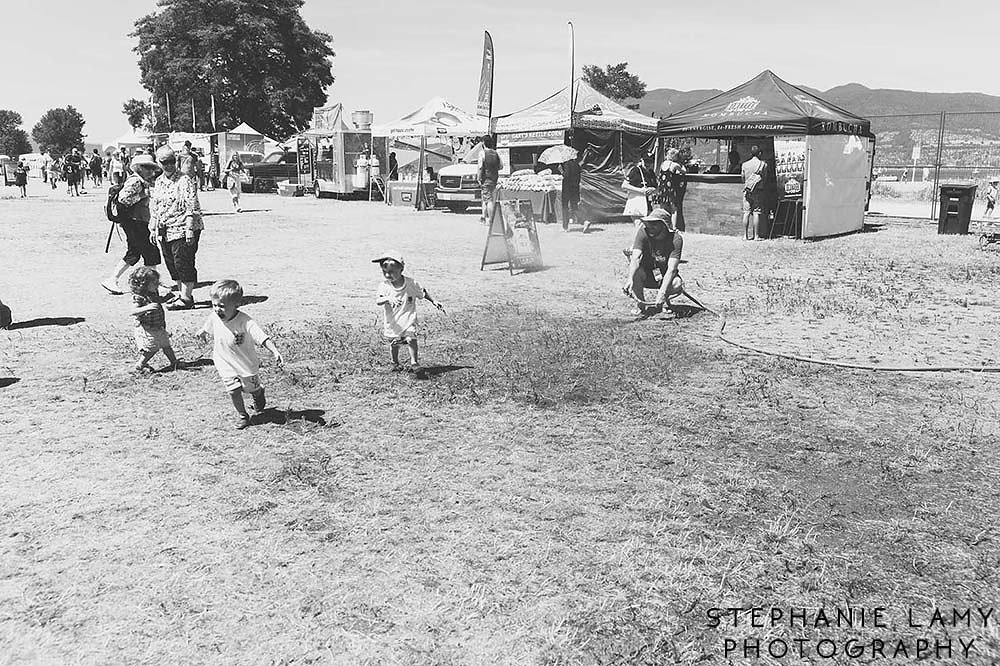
(458, 187)
(276, 167)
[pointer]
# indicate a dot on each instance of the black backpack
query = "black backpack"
(115, 211)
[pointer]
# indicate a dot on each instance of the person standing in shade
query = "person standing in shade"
(571, 194)
(133, 202)
(753, 171)
(175, 220)
(489, 174)
(393, 167)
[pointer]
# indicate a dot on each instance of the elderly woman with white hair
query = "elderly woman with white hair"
(176, 222)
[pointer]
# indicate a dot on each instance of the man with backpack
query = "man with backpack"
(72, 172)
(753, 171)
(128, 207)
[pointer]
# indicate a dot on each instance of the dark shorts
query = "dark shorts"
(179, 258)
(489, 191)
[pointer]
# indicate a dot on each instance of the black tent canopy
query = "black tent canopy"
(765, 105)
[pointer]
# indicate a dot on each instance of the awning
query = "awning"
(591, 110)
(438, 117)
(763, 106)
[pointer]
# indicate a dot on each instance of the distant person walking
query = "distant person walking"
(116, 168)
(133, 200)
(55, 167)
(46, 161)
(175, 220)
(71, 172)
(96, 164)
(233, 173)
(21, 178)
(991, 197)
(753, 171)
(489, 174)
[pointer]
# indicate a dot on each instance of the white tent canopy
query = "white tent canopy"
(243, 128)
(438, 117)
(130, 138)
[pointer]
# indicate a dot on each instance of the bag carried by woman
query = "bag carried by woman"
(637, 184)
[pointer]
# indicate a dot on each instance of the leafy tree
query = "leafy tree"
(259, 59)
(614, 81)
(137, 111)
(59, 131)
(13, 139)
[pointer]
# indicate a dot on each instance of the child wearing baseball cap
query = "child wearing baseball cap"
(398, 294)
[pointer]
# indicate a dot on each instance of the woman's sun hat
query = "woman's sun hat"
(144, 161)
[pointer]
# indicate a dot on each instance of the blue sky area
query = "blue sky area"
(393, 56)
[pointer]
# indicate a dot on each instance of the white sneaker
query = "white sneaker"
(586, 226)
(112, 287)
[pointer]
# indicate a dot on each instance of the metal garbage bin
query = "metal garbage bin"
(955, 208)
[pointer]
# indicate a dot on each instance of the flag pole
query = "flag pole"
(192, 116)
(572, 71)
(169, 124)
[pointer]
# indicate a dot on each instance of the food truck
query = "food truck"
(330, 156)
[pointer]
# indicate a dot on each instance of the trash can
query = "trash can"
(955, 208)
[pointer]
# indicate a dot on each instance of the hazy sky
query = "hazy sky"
(393, 56)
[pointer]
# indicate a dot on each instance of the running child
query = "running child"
(398, 294)
(234, 349)
(150, 321)
(991, 197)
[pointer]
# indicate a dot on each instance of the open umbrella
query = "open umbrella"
(557, 155)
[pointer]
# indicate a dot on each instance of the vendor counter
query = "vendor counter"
(713, 204)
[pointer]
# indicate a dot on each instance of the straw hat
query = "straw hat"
(144, 161)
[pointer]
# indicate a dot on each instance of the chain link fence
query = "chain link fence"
(916, 153)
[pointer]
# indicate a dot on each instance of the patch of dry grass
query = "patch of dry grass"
(571, 487)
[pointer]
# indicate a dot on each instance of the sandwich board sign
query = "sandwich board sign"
(512, 238)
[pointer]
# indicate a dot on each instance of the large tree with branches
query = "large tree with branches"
(258, 58)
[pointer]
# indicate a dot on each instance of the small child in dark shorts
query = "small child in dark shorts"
(150, 321)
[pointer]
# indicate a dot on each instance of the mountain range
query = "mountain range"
(852, 97)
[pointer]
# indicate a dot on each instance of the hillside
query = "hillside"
(853, 97)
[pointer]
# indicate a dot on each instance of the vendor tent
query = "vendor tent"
(131, 139)
(438, 117)
(763, 106)
(838, 144)
(243, 128)
(608, 136)
(591, 110)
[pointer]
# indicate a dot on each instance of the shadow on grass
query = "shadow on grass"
(437, 370)
(250, 300)
(46, 321)
(7, 381)
(283, 417)
(870, 228)
(188, 365)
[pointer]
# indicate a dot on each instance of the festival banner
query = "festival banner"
(484, 107)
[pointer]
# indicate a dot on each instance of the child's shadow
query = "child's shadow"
(249, 300)
(188, 365)
(432, 371)
(285, 417)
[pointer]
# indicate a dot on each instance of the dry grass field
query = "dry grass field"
(571, 486)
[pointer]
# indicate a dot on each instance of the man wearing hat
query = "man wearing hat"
(657, 245)
(133, 204)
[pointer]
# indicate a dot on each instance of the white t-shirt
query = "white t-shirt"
(400, 314)
(235, 343)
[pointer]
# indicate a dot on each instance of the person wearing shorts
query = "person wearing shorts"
(235, 337)
(489, 174)
(753, 193)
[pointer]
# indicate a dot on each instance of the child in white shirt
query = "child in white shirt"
(234, 351)
(398, 296)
